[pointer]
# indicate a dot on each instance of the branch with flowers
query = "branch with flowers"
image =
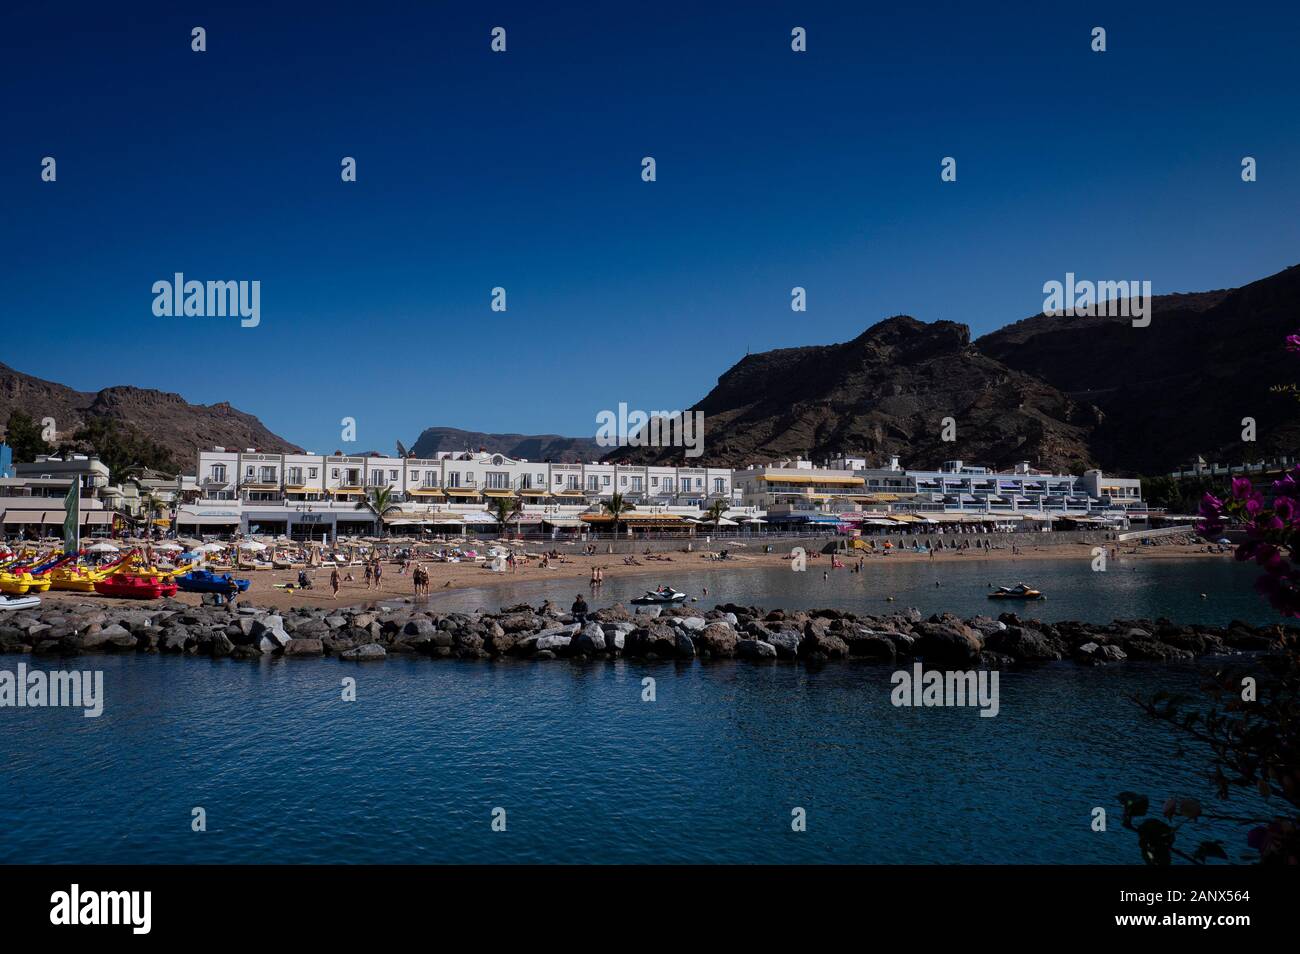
(1272, 534)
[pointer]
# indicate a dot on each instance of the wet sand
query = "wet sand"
(680, 569)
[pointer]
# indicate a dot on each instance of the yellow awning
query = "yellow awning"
(498, 493)
(570, 493)
(462, 491)
(428, 492)
(532, 492)
(814, 479)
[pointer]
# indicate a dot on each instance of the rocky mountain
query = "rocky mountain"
(165, 419)
(528, 446)
(1181, 386)
(1063, 393)
(888, 391)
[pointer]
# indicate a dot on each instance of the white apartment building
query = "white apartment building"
(315, 495)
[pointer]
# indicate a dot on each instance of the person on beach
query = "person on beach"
(579, 610)
(369, 578)
(379, 575)
(334, 583)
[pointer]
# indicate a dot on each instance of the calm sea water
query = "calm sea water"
(588, 772)
(1127, 590)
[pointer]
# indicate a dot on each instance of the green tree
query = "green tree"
(717, 510)
(121, 447)
(23, 435)
(503, 508)
(379, 501)
(616, 506)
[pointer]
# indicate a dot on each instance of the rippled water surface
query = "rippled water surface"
(1128, 589)
(585, 770)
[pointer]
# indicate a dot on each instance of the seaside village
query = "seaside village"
(247, 509)
(328, 499)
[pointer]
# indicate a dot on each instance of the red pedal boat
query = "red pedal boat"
(135, 587)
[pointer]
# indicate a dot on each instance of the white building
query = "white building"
(309, 495)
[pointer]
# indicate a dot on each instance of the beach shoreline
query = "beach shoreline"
(682, 570)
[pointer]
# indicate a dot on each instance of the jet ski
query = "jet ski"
(1021, 591)
(663, 595)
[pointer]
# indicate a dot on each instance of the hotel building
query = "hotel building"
(309, 495)
(314, 496)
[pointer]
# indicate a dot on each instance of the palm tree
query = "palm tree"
(503, 508)
(379, 501)
(616, 506)
(715, 513)
(150, 506)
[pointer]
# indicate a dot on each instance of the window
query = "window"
(573, 482)
(453, 478)
(431, 478)
(219, 472)
(593, 482)
(559, 479)
(392, 476)
(311, 473)
(377, 478)
(415, 476)
(606, 481)
(668, 485)
(654, 481)
(248, 473)
(295, 475)
(497, 480)
(636, 483)
(541, 480)
(718, 485)
(334, 473)
(353, 477)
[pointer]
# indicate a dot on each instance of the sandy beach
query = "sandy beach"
(268, 587)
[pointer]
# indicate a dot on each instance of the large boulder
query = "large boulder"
(304, 646)
(115, 638)
(553, 640)
(948, 643)
(1024, 644)
(590, 640)
(820, 643)
(786, 642)
(755, 649)
(716, 639)
(868, 644)
(367, 653)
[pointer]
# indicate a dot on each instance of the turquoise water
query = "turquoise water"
(585, 770)
(1128, 589)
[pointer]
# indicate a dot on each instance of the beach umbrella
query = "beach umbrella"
(210, 548)
(102, 548)
(252, 545)
(169, 546)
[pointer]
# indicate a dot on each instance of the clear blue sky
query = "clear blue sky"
(522, 170)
